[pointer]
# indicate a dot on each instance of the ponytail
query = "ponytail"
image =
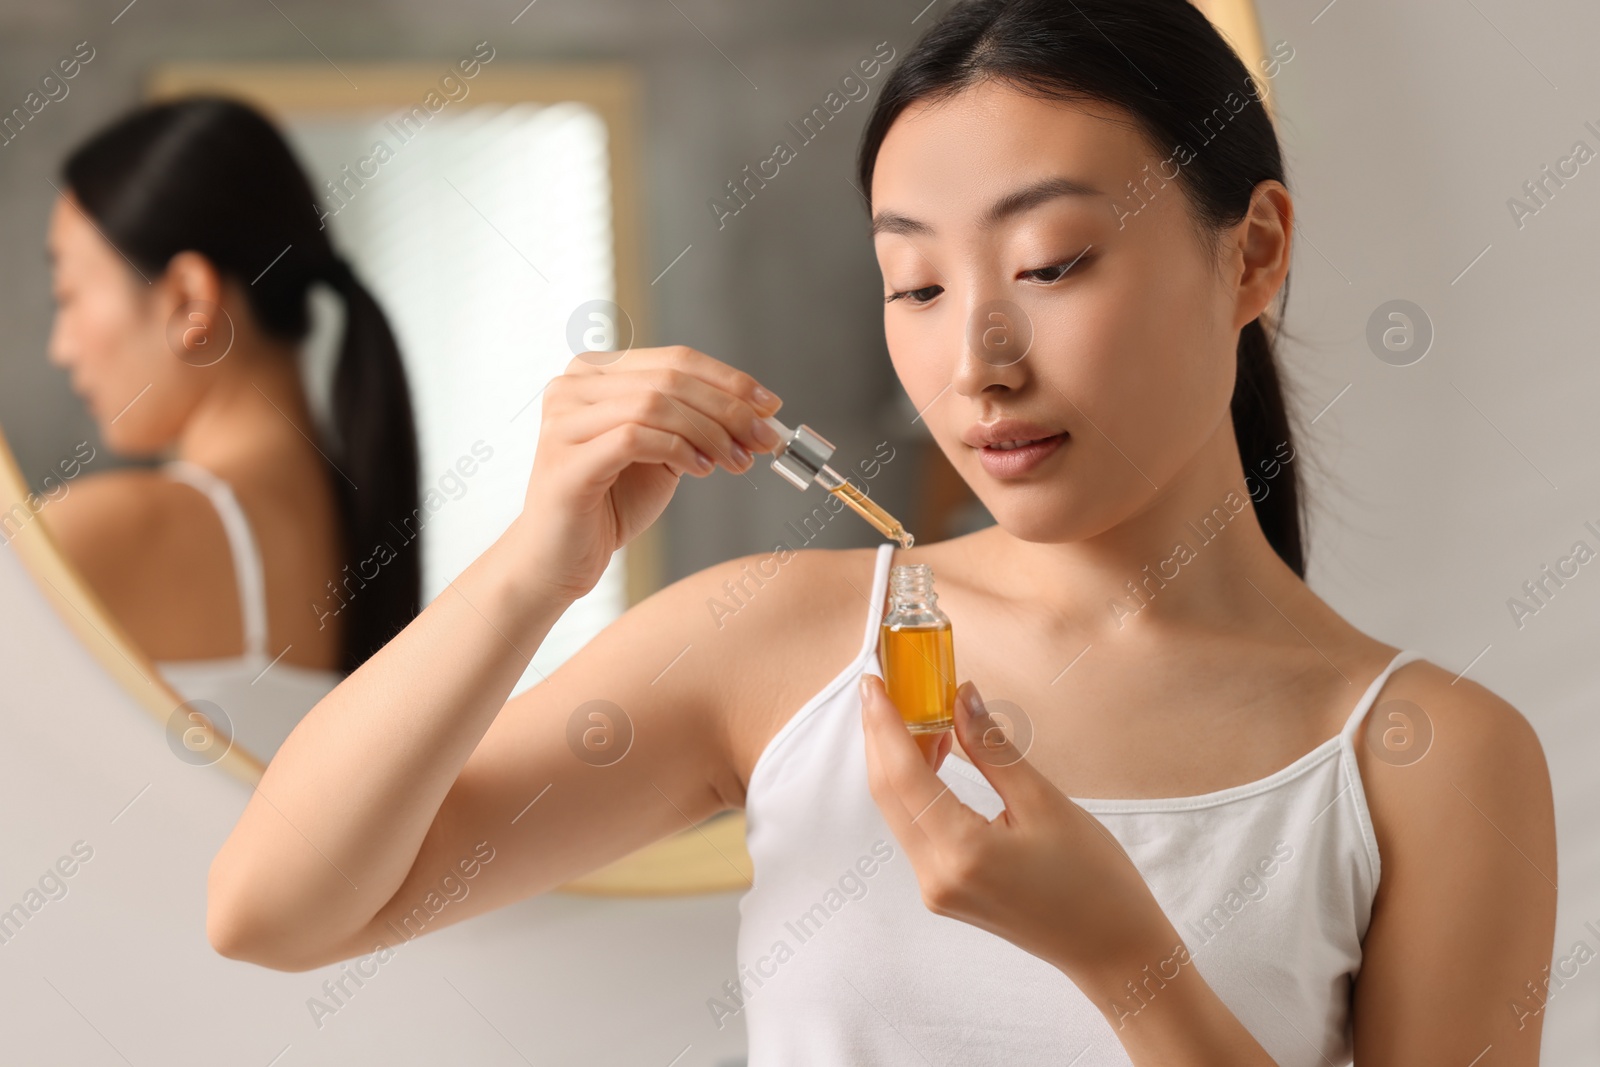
(378, 453)
(1261, 427)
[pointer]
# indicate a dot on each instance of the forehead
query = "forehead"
(67, 232)
(72, 240)
(956, 155)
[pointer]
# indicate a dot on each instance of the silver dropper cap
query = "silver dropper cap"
(805, 452)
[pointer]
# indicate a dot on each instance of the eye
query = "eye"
(1056, 272)
(916, 296)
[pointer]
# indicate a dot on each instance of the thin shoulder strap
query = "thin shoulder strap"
(1401, 658)
(880, 589)
(247, 570)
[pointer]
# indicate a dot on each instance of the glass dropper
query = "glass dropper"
(803, 459)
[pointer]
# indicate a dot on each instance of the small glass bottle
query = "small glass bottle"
(916, 652)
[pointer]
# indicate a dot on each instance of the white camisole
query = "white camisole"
(262, 699)
(1270, 884)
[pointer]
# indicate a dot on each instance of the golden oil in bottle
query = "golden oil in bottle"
(916, 652)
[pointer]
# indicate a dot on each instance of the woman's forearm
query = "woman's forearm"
(341, 812)
(1165, 1013)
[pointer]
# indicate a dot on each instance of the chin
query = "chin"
(133, 441)
(1040, 520)
(1039, 530)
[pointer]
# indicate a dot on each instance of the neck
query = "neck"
(255, 402)
(1186, 559)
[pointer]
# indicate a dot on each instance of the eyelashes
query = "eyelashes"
(1039, 274)
(1046, 275)
(905, 293)
(1081, 257)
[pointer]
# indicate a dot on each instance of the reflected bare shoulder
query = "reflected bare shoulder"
(116, 525)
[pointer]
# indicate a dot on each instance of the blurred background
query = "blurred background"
(786, 289)
(1441, 478)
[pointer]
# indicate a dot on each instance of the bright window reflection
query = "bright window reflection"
(480, 234)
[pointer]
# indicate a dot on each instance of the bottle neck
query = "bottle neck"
(911, 588)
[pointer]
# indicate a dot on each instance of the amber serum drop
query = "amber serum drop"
(916, 651)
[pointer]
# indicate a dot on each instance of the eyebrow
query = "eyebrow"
(1013, 203)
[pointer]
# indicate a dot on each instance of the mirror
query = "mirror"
(446, 196)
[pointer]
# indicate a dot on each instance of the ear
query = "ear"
(191, 278)
(1261, 244)
(188, 300)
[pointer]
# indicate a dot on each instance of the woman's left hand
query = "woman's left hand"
(1044, 874)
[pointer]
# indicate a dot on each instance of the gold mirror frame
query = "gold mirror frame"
(1239, 25)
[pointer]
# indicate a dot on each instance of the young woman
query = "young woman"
(184, 246)
(1206, 854)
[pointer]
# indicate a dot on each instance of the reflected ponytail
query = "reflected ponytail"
(213, 176)
(378, 451)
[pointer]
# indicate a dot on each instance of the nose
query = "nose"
(56, 347)
(994, 352)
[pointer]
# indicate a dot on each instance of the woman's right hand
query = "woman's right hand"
(616, 437)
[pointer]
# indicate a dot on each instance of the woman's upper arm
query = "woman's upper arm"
(629, 740)
(1465, 911)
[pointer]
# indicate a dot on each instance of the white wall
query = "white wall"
(1452, 481)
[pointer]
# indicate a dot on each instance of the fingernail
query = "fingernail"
(865, 688)
(740, 454)
(764, 433)
(974, 701)
(763, 398)
(703, 461)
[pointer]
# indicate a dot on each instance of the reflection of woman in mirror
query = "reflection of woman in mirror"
(1264, 868)
(184, 247)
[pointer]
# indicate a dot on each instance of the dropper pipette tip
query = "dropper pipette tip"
(886, 524)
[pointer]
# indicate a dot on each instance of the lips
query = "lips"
(1007, 446)
(1008, 434)
(1011, 448)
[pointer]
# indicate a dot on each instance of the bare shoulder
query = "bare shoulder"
(99, 510)
(767, 632)
(1460, 796)
(108, 522)
(644, 731)
(1437, 741)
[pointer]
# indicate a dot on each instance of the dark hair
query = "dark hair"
(1163, 62)
(213, 176)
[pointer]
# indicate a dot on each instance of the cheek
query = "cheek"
(923, 353)
(142, 385)
(105, 334)
(1156, 372)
